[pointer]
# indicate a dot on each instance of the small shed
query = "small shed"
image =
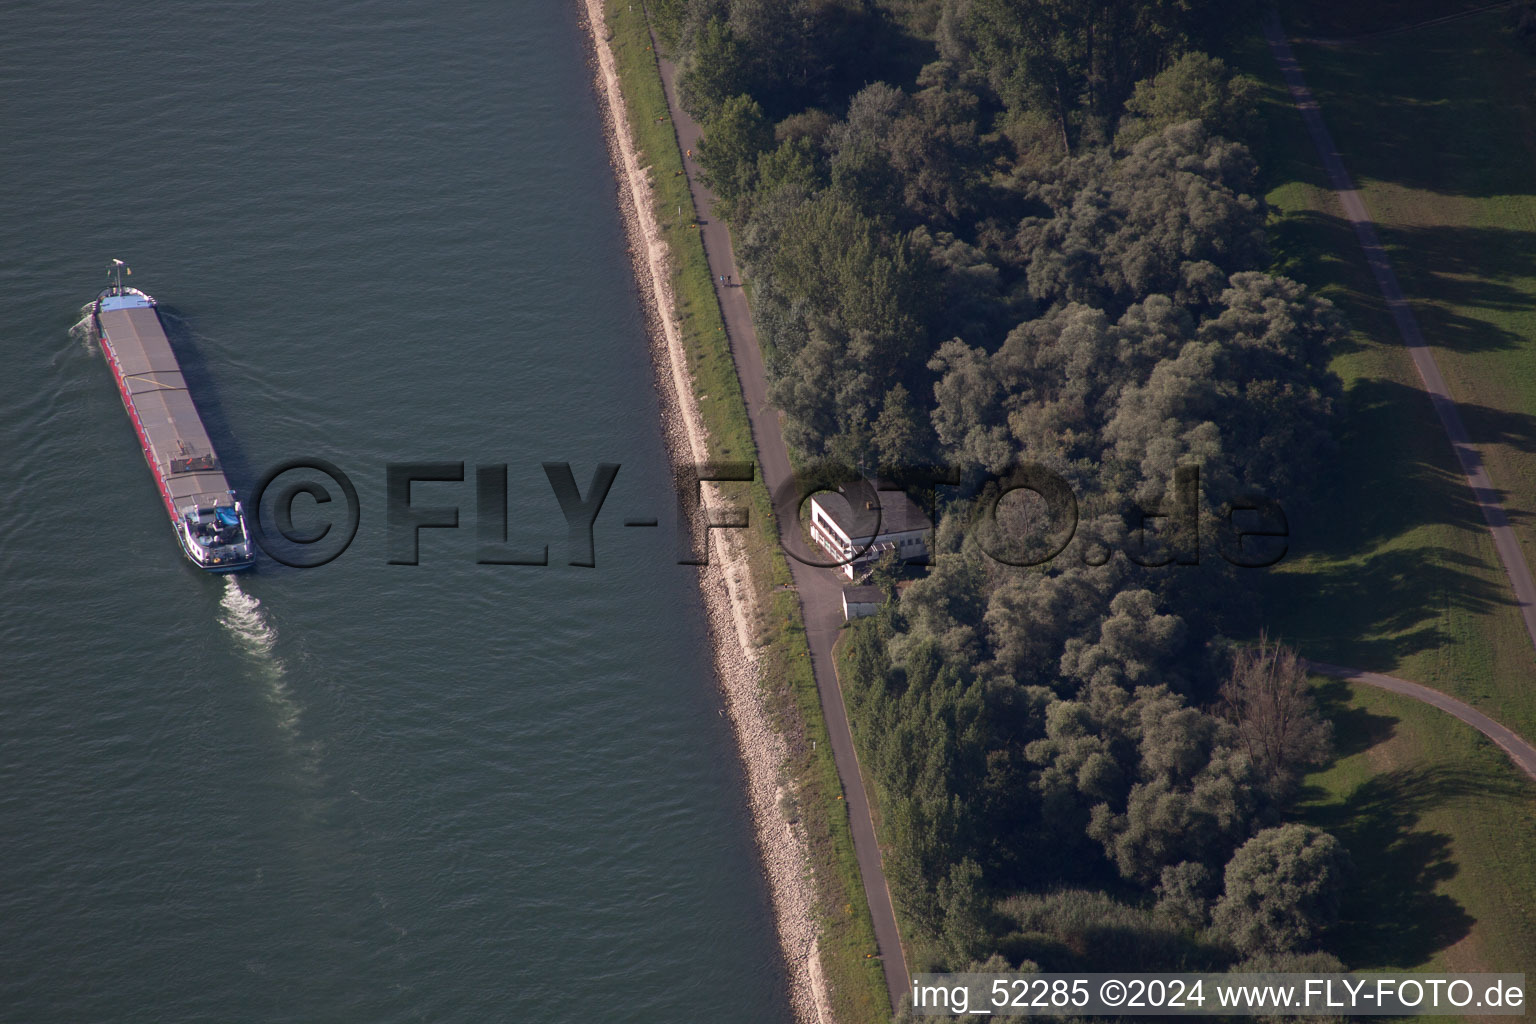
(861, 601)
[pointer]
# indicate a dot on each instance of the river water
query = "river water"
(380, 232)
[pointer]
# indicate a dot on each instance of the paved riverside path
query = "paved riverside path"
(1519, 751)
(1483, 491)
(820, 589)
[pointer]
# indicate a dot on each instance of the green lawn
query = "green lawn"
(1442, 830)
(1438, 128)
(1394, 569)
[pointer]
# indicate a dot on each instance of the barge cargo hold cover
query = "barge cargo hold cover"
(208, 520)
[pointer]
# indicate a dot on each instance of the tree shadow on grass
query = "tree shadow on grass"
(1379, 611)
(1421, 109)
(1487, 425)
(1379, 585)
(1392, 917)
(1355, 730)
(1395, 468)
(1471, 267)
(1321, 251)
(1478, 269)
(1480, 260)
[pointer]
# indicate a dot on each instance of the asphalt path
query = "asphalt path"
(1483, 491)
(1519, 751)
(1476, 475)
(820, 590)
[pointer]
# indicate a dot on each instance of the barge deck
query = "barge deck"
(206, 516)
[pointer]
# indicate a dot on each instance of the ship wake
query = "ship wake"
(242, 617)
(84, 330)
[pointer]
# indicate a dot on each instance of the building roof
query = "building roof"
(863, 595)
(898, 512)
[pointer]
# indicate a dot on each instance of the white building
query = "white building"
(861, 601)
(861, 536)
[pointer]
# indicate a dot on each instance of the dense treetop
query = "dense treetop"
(990, 233)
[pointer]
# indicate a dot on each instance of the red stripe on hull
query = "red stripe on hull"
(133, 414)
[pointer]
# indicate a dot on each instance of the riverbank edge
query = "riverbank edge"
(762, 659)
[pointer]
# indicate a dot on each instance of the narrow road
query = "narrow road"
(1483, 491)
(820, 590)
(1519, 751)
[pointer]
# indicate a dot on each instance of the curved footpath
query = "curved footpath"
(1519, 751)
(1467, 455)
(820, 589)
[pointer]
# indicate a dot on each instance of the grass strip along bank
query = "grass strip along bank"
(855, 982)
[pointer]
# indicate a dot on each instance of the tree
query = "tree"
(844, 303)
(1158, 782)
(1269, 701)
(1138, 644)
(728, 150)
(978, 300)
(916, 159)
(1077, 60)
(1282, 888)
(901, 430)
(795, 165)
(1272, 341)
(860, 163)
(714, 70)
(886, 573)
(788, 54)
(945, 608)
(1032, 55)
(1196, 87)
(1117, 231)
(668, 17)
(1184, 894)
(1168, 819)
(966, 912)
(1292, 963)
(1074, 930)
(1236, 384)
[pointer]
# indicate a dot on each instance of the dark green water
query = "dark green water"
(363, 792)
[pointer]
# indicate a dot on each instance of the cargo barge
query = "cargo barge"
(206, 517)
